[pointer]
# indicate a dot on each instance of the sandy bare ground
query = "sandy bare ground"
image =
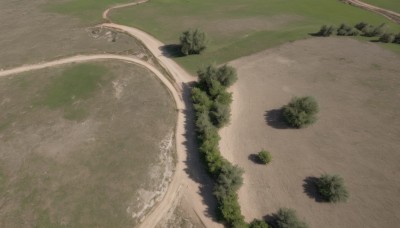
(356, 136)
(387, 13)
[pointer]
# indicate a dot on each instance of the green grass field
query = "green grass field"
(393, 5)
(236, 28)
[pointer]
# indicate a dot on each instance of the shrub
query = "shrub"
(225, 75)
(230, 210)
(345, 30)
(360, 26)
(397, 39)
(229, 180)
(332, 188)
(256, 223)
(371, 31)
(264, 156)
(287, 218)
(220, 114)
(193, 42)
(325, 31)
(301, 111)
(387, 38)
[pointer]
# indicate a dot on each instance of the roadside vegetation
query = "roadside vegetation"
(379, 33)
(193, 42)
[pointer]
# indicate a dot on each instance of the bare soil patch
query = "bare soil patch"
(357, 86)
(30, 34)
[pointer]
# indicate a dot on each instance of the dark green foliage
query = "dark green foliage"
(387, 38)
(287, 218)
(360, 26)
(397, 39)
(212, 106)
(220, 114)
(345, 30)
(230, 209)
(264, 157)
(193, 42)
(325, 31)
(301, 111)
(229, 180)
(332, 188)
(371, 31)
(258, 224)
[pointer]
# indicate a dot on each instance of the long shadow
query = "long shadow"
(172, 50)
(196, 169)
(274, 119)
(254, 158)
(310, 188)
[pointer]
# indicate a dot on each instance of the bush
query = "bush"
(360, 26)
(325, 31)
(193, 42)
(397, 39)
(387, 38)
(332, 188)
(229, 180)
(230, 210)
(301, 111)
(258, 224)
(264, 156)
(345, 30)
(371, 31)
(225, 75)
(287, 218)
(220, 114)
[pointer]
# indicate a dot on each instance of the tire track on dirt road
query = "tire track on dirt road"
(391, 15)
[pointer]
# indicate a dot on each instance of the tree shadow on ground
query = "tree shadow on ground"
(195, 167)
(254, 158)
(172, 50)
(274, 119)
(310, 188)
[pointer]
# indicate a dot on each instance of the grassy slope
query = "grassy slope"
(296, 19)
(235, 27)
(393, 5)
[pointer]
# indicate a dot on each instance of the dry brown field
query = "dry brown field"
(357, 134)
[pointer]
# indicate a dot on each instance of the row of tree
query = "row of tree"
(362, 28)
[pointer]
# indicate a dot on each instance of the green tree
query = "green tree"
(220, 114)
(301, 111)
(332, 188)
(193, 42)
(387, 38)
(325, 31)
(397, 39)
(264, 156)
(256, 223)
(287, 218)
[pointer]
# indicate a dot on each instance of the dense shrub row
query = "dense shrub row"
(362, 28)
(212, 105)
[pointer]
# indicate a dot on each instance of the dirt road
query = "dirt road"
(190, 177)
(387, 13)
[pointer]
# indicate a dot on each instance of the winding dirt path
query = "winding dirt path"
(185, 180)
(387, 13)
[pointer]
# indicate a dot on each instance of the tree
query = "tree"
(397, 39)
(345, 30)
(332, 188)
(287, 218)
(220, 114)
(387, 38)
(193, 42)
(301, 111)
(371, 31)
(360, 26)
(226, 75)
(256, 223)
(325, 31)
(229, 180)
(264, 156)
